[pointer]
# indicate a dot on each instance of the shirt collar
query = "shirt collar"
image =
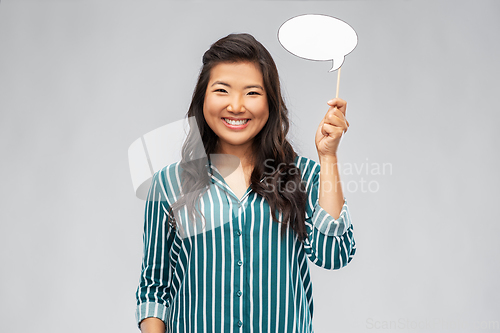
(216, 175)
(213, 172)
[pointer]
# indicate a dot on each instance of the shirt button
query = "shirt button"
(239, 293)
(240, 323)
(240, 262)
(238, 232)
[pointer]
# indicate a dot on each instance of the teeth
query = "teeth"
(235, 122)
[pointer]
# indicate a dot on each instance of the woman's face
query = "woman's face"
(235, 105)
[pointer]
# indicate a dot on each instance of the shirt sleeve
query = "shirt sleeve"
(330, 242)
(153, 292)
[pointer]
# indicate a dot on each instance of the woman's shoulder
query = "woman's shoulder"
(308, 167)
(171, 171)
(167, 180)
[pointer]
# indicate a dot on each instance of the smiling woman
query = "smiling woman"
(236, 110)
(236, 107)
(226, 250)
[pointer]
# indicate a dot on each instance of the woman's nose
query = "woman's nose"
(236, 105)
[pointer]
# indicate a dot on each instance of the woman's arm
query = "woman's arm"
(153, 292)
(152, 325)
(330, 241)
(331, 198)
(328, 135)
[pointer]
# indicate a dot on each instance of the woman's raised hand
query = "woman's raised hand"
(331, 129)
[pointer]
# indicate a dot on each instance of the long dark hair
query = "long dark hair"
(273, 154)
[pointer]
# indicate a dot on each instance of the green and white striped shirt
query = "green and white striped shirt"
(236, 274)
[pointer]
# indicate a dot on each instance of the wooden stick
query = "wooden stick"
(338, 82)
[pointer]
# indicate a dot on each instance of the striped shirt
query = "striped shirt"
(234, 272)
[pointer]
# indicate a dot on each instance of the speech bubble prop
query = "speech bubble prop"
(318, 37)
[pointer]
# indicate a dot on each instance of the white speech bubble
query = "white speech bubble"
(318, 37)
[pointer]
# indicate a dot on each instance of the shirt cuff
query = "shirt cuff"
(329, 226)
(151, 309)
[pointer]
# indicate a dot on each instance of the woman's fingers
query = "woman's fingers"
(336, 113)
(338, 103)
(335, 117)
(331, 130)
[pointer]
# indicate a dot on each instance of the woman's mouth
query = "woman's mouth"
(236, 124)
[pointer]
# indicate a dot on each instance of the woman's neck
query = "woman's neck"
(244, 154)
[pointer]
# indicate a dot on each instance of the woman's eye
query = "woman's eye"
(254, 93)
(221, 90)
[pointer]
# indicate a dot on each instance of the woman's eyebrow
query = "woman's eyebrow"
(254, 86)
(229, 86)
(222, 83)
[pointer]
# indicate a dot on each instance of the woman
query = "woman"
(224, 242)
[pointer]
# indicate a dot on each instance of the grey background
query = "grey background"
(81, 80)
